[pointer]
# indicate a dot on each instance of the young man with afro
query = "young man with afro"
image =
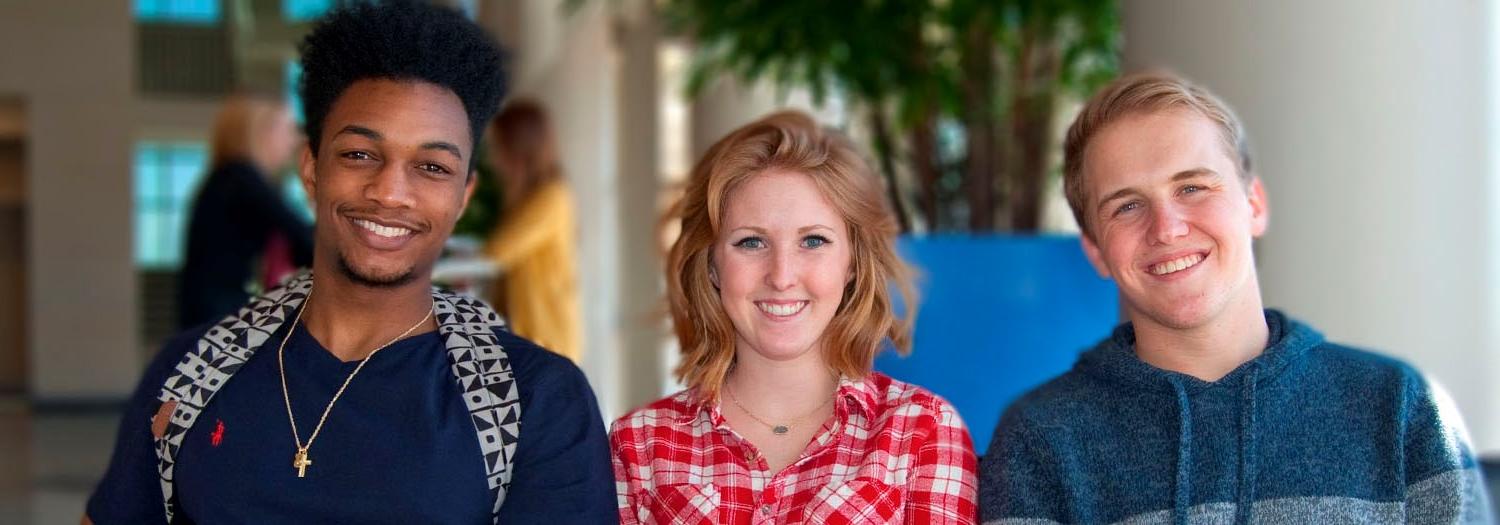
(357, 392)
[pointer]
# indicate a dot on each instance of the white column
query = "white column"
(72, 64)
(640, 300)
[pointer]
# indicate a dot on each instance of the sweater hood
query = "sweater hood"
(1114, 361)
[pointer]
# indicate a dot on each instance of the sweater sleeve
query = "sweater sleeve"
(1443, 482)
(1018, 479)
(523, 229)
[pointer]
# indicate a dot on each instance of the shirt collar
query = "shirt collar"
(861, 392)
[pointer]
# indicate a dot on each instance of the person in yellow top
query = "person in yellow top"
(533, 244)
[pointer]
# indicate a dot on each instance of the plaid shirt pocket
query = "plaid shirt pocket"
(857, 501)
(681, 504)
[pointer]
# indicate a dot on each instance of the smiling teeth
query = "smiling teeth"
(782, 310)
(1177, 265)
(383, 231)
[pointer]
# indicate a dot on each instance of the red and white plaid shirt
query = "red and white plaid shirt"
(892, 453)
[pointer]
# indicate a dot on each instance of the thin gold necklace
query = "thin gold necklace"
(780, 430)
(300, 461)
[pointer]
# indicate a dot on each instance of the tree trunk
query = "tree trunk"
(923, 136)
(1032, 112)
(978, 90)
(885, 153)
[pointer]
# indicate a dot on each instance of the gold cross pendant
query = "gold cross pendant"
(301, 462)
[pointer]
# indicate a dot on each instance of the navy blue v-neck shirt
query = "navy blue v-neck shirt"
(397, 447)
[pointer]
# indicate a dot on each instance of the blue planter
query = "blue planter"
(997, 316)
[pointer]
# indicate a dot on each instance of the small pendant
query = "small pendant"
(780, 430)
(300, 462)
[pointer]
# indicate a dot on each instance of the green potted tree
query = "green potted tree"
(962, 102)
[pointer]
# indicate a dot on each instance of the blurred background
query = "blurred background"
(1375, 125)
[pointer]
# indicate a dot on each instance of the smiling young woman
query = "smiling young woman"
(780, 289)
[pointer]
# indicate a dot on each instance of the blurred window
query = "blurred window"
(292, 73)
(167, 175)
(196, 12)
(304, 10)
(291, 186)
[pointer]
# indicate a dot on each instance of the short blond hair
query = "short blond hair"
(1135, 94)
(792, 142)
(241, 123)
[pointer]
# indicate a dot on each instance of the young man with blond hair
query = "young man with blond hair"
(1204, 406)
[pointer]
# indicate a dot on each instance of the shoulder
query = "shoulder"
(675, 418)
(1347, 360)
(539, 371)
(1060, 409)
(673, 410)
(896, 405)
(172, 352)
(554, 191)
(1363, 374)
(891, 395)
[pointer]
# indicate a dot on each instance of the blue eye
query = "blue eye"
(814, 241)
(1127, 207)
(750, 243)
(1192, 189)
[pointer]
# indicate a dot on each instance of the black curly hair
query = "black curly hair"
(400, 40)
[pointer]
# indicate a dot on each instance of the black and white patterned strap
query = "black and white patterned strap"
(466, 325)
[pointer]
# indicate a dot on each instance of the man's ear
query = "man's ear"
(1091, 250)
(1260, 208)
(469, 186)
(307, 169)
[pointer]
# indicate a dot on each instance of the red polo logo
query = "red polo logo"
(218, 435)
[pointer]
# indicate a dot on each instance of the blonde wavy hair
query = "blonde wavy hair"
(786, 141)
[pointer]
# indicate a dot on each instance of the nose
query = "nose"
(1167, 224)
(783, 272)
(390, 188)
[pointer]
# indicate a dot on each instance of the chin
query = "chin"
(376, 276)
(1184, 314)
(782, 350)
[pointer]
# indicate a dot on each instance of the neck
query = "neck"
(1209, 351)
(780, 389)
(351, 320)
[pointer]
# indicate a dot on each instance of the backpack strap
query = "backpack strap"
(486, 382)
(467, 326)
(221, 352)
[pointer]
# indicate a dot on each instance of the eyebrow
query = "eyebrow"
(361, 131)
(1180, 176)
(763, 231)
(371, 134)
(444, 146)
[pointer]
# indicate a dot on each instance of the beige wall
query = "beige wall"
(70, 62)
(1370, 119)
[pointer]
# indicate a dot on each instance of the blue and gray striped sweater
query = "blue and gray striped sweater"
(1308, 432)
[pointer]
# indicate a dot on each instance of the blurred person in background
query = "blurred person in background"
(242, 232)
(781, 292)
(358, 392)
(533, 242)
(1206, 407)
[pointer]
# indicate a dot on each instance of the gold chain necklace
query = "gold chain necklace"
(780, 430)
(300, 461)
